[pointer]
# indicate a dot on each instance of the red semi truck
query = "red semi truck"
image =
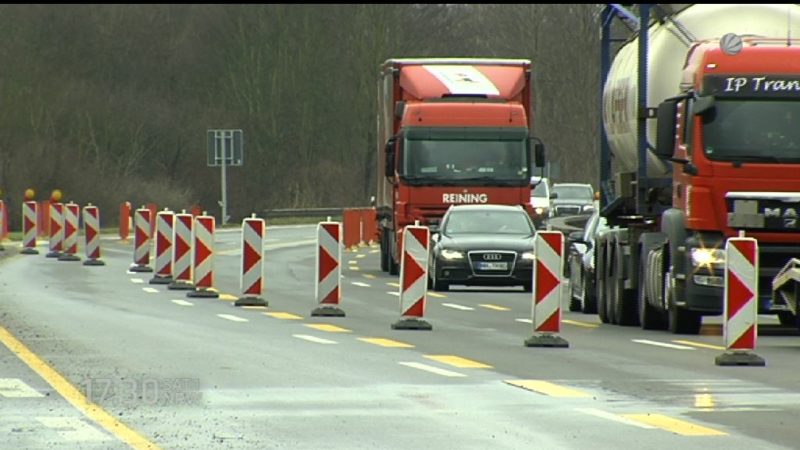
(719, 156)
(450, 131)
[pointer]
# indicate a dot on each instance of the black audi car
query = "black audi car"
(483, 245)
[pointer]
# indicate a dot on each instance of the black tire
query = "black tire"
(600, 268)
(574, 303)
(649, 317)
(681, 320)
(589, 305)
(787, 319)
(394, 268)
(384, 252)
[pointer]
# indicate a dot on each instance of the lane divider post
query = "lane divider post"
(203, 257)
(165, 222)
(141, 241)
(56, 229)
(70, 250)
(29, 216)
(182, 252)
(546, 299)
(328, 270)
(252, 279)
(91, 235)
(740, 303)
(414, 278)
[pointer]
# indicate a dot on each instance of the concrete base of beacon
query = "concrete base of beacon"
(412, 323)
(202, 293)
(546, 340)
(53, 254)
(160, 280)
(68, 257)
(250, 301)
(140, 268)
(94, 262)
(327, 311)
(29, 251)
(181, 285)
(739, 359)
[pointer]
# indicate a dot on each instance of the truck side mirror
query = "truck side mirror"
(538, 151)
(389, 153)
(665, 134)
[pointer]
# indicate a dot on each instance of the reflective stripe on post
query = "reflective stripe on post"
(252, 279)
(29, 216)
(56, 229)
(328, 270)
(141, 241)
(414, 278)
(203, 257)
(182, 252)
(91, 232)
(70, 250)
(740, 304)
(165, 222)
(546, 303)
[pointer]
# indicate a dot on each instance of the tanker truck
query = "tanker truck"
(450, 131)
(700, 144)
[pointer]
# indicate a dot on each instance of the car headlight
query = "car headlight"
(452, 254)
(707, 257)
(588, 208)
(539, 210)
(528, 256)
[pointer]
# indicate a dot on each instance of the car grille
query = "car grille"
(568, 210)
(477, 258)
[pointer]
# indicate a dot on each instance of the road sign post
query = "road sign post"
(225, 149)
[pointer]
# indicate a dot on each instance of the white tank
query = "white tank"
(666, 57)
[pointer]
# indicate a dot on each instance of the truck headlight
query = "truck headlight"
(452, 254)
(707, 257)
(528, 256)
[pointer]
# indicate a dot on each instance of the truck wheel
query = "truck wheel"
(680, 320)
(394, 268)
(649, 317)
(589, 297)
(600, 274)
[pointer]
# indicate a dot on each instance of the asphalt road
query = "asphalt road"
(96, 357)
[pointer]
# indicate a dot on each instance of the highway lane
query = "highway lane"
(210, 374)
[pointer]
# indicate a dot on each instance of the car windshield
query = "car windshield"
(580, 192)
(488, 222)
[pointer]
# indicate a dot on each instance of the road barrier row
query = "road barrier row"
(360, 227)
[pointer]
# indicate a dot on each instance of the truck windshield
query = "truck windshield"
(753, 131)
(463, 159)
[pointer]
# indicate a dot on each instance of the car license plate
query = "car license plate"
(493, 266)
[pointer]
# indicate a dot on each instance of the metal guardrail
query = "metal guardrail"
(305, 212)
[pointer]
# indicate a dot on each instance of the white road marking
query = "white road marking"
(614, 417)
(182, 303)
(150, 290)
(14, 387)
(358, 283)
(137, 280)
(395, 293)
(663, 344)
(232, 318)
(432, 369)
(524, 320)
(314, 339)
(73, 428)
(457, 306)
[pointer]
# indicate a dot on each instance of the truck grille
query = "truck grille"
(492, 262)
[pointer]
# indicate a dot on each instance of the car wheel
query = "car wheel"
(437, 284)
(589, 297)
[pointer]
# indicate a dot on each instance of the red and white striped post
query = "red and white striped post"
(165, 222)
(141, 241)
(546, 303)
(414, 278)
(328, 270)
(70, 250)
(91, 235)
(182, 252)
(203, 257)
(56, 229)
(29, 215)
(740, 309)
(252, 280)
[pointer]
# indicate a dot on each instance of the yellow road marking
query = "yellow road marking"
(674, 425)
(369, 275)
(494, 307)
(386, 342)
(699, 344)
(436, 294)
(393, 284)
(457, 361)
(327, 327)
(361, 256)
(283, 315)
(580, 324)
(547, 388)
(228, 297)
(73, 395)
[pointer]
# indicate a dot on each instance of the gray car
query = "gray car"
(571, 199)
